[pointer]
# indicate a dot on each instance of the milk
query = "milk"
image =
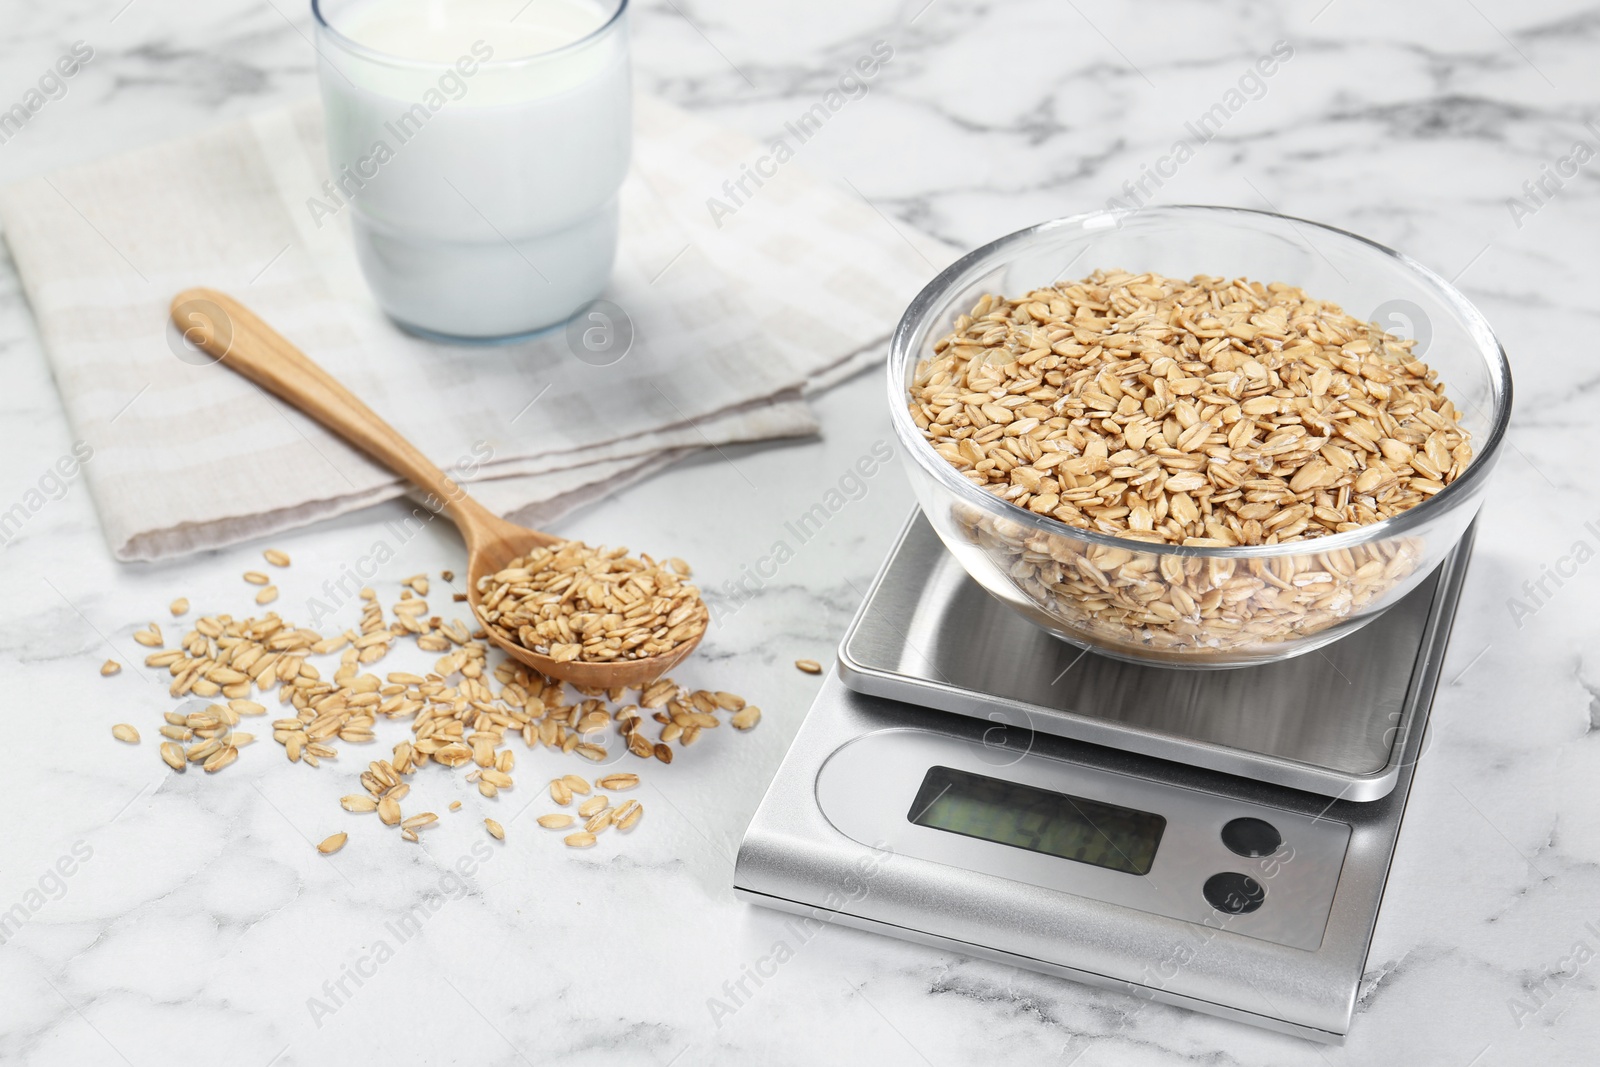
(478, 146)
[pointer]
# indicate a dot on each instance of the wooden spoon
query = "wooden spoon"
(226, 329)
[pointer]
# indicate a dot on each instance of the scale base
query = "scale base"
(833, 840)
(1331, 721)
(1028, 963)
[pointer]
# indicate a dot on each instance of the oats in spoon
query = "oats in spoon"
(573, 602)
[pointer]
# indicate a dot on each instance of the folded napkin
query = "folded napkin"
(734, 315)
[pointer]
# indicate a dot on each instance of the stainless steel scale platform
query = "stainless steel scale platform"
(1218, 840)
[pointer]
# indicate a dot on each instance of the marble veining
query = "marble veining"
(197, 924)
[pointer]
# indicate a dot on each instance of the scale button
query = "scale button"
(1233, 892)
(1251, 837)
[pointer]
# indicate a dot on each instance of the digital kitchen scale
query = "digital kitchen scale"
(1218, 840)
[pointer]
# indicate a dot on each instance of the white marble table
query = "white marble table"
(201, 924)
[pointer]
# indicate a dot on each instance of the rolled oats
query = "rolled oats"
(1212, 413)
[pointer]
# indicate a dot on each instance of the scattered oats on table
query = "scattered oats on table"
(810, 666)
(461, 713)
(275, 557)
(597, 813)
(109, 667)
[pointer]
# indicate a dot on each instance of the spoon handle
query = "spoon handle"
(226, 329)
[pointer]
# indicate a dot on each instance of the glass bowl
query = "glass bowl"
(1190, 605)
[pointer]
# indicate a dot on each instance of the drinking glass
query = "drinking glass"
(477, 147)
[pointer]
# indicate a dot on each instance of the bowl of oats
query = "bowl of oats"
(1197, 436)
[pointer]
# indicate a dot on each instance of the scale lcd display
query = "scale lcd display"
(1074, 828)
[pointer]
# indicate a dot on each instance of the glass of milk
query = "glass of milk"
(477, 147)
